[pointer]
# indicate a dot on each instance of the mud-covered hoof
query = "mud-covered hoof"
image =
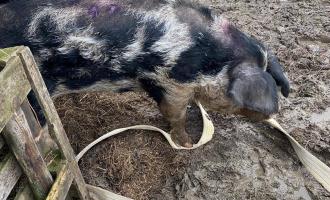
(188, 145)
(182, 139)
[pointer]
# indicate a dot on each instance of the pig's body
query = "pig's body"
(176, 52)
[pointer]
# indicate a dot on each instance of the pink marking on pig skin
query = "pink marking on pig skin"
(221, 27)
(224, 25)
(100, 7)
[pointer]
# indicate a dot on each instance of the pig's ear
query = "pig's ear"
(276, 70)
(253, 89)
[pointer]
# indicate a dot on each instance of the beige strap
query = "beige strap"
(317, 168)
(98, 193)
(208, 131)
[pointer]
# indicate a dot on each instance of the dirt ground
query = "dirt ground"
(245, 160)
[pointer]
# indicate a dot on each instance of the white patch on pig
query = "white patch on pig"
(134, 49)
(176, 38)
(64, 19)
(89, 47)
(131, 51)
(44, 54)
(265, 58)
(64, 22)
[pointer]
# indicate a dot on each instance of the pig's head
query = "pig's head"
(240, 75)
(252, 91)
(244, 89)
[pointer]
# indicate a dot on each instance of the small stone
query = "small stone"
(281, 29)
(313, 48)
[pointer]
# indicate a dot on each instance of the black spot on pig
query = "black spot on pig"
(207, 56)
(206, 12)
(76, 72)
(117, 30)
(47, 34)
(4, 1)
(246, 47)
(153, 32)
(146, 60)
(142, 63)
(153, 89)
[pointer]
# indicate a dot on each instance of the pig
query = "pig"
(176, 51)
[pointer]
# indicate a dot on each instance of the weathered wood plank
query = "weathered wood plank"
(54, 124)
(98, 193)
(6, 54)
(10, 172)
(62, 184)
(13, 89)
(19, 137)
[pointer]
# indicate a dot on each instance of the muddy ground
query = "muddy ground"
(245, 160)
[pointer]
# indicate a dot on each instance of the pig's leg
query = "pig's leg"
(174, 111)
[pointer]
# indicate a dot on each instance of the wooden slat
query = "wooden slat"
(13, 89)
(19, 138)
(54, 124)
(6, 54)
(10, 172)
(62, 184)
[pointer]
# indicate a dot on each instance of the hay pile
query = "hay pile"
(135, 163)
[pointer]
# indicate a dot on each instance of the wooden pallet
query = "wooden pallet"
(32, 152)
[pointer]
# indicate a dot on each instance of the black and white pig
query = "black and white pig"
(176, 51)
